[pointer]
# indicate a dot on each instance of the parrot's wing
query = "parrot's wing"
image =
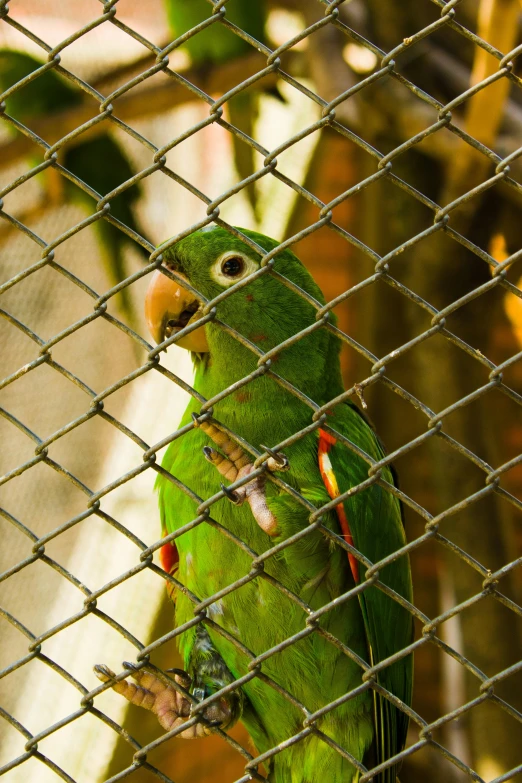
(373, 520)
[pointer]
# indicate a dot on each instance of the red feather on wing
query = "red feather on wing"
(326, 441)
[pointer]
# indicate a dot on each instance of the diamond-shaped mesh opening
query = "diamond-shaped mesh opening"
(382, 145)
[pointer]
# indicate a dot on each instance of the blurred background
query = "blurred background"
(42, 501)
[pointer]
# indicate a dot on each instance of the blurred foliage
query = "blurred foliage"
(100, 162)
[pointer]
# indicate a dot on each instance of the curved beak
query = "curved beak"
(168, 309)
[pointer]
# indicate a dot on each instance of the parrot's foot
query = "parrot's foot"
(170, 707)
(236, 465)
(253, 492)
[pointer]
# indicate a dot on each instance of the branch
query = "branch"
(388, 108)
(138, 103)
(396, 107)
(484, 111)
(498, 26)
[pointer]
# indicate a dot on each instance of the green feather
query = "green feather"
(258, 614)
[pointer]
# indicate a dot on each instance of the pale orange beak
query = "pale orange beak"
(168, 309)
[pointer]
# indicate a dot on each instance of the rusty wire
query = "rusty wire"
(389, 66)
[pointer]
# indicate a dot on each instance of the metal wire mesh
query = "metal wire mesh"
(263, 63)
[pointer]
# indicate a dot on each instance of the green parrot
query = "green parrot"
(327, 663)
(99, 161)
(215, 45)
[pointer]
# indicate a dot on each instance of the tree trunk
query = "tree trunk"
(383, 323)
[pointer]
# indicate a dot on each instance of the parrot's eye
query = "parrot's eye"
(232, 266)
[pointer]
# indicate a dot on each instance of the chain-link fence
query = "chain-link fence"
(439, 251)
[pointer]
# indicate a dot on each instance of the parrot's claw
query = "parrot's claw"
(170, 706)
(235, 497)
(210, 454)
(103, 673)
(276, 461)
(279, 462)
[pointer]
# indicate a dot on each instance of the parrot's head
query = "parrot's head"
(264, 310)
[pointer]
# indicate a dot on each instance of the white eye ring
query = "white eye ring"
(226, 280)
